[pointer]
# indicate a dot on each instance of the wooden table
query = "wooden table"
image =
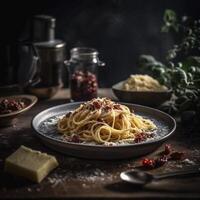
(79, 178)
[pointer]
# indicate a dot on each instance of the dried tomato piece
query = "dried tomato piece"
(148, 163)
(117, 106)
(97, 105)
(168, 149)
(75, 139)
(177, 155)
(107, 108)
(161, 161)
(140, 137)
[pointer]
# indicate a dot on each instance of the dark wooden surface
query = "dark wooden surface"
(79, 178)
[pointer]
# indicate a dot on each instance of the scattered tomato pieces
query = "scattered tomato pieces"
(148, 163)
(166, 155)
(143, 137)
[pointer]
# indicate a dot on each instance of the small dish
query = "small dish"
(147, 98)
(10, 118)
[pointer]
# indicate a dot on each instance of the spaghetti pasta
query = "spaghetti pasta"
(102, 120)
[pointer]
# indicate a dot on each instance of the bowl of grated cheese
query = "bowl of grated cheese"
(142, 89)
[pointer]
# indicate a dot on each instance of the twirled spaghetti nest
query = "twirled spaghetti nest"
(102, 120)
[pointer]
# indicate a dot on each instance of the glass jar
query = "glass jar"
(83, 73)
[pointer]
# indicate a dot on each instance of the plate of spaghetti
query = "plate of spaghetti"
(103, 129)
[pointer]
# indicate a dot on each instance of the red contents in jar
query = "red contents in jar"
(83, 85)
(148, 163)
(10, 105)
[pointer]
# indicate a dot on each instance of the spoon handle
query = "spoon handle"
(177, 173)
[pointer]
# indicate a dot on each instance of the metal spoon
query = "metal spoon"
(139, 177)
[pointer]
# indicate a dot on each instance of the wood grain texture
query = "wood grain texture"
(80, 178)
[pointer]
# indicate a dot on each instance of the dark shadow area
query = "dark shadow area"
(13, 182)
(123, 187)
(120, 30)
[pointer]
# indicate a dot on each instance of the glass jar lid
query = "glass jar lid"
(83, 53)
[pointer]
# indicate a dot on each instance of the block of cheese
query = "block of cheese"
(30, 164)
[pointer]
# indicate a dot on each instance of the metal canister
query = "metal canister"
(51, 54)
(51, 58)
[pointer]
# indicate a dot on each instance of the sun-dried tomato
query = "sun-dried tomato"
(107, 108)
(75, 139)
(168, 149)
(117, 106)
(177, 155)
(140, 137)
(161, 161)
(148, 163)
(97, 104)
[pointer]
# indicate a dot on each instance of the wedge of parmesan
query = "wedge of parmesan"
(30, 164)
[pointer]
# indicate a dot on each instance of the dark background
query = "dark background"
(121, 30)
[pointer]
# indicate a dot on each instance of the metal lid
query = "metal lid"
(55, 44)
(46, 19)
(83, 53)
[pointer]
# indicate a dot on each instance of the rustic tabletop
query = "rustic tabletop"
(80, 178)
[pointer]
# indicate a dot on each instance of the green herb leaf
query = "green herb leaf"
(170, 21)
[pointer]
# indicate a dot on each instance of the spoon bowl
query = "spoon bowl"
(136, 177)
(140, 178)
